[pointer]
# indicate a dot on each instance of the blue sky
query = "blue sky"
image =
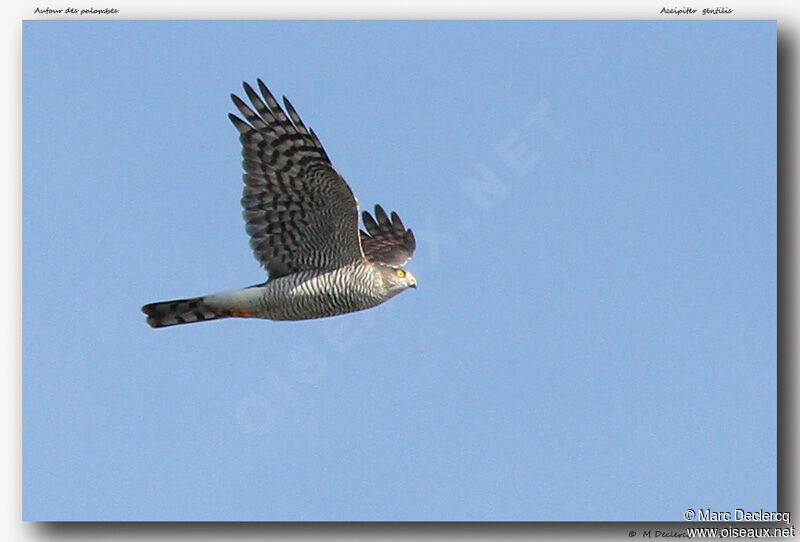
(594, 332)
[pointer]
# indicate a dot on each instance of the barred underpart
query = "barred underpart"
(316, 294)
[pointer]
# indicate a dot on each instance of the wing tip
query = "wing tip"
(240, 125)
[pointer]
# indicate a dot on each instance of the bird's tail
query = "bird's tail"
(186, 311)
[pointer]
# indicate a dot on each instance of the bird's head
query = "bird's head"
(396, 279)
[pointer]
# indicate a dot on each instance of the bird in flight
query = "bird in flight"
(302, 219)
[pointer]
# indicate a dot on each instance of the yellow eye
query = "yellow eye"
(400, 273)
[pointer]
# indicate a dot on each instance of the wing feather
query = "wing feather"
(299, 212)
(386, 240)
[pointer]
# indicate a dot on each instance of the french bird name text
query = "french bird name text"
(75, 11)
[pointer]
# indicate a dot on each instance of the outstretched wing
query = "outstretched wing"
(386, 240)
(299, 211)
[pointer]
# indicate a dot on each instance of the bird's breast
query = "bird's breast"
(317, 294)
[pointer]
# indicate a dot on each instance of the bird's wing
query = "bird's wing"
(386, 239)
(299, 211)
